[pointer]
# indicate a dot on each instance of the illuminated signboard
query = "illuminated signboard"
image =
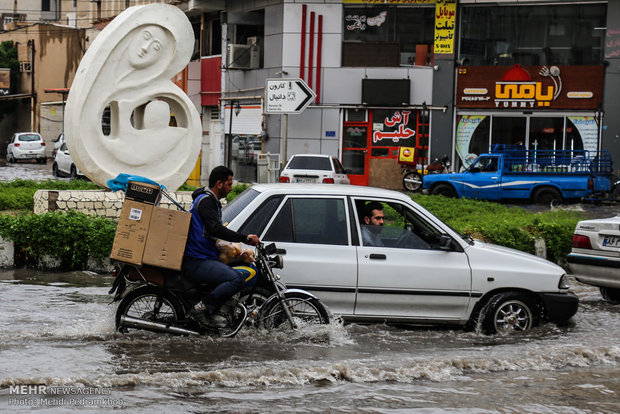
(530, 87)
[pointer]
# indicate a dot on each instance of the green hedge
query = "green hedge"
(18, 194)
(507, 226)
(70, 237)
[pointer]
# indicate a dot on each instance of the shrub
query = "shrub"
(18, 194)
(507, 226)
(70, 237)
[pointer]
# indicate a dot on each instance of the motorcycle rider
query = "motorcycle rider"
(200, 261)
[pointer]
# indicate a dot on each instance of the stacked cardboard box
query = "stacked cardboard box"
(147, 234)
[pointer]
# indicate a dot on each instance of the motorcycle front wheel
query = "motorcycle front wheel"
(412, 181)
(305, 310)
(149, 303)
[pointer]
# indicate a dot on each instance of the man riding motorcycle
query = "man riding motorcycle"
(200, 261)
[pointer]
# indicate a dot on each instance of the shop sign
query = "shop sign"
(530, 87)
(445, 21)
(393, 130)
(383, 2)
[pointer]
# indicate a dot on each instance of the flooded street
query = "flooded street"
(26, 171)
(57, 331)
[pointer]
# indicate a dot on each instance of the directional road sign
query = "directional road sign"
(287, 96)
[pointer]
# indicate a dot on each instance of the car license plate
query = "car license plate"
(30, 155)
(305, 180)
(611, 241)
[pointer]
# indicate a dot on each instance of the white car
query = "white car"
(420, 271)
(63, 164)
(314, 168)
(26, 146)
(595, 255)
(60, 139)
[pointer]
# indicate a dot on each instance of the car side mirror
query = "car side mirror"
(445, 242)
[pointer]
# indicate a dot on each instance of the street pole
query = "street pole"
(284, 137)
(229, 139)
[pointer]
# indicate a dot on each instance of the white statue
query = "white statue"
(129, 68)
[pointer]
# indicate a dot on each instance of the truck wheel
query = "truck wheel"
(610, 294)
(547, 195)
(445, 190)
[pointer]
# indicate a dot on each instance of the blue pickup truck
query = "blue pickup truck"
(540, 176)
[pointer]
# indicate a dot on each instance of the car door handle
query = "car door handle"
(280, 251)
(376, 256)
(493, 178)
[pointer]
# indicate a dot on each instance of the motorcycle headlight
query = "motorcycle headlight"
(564, 282)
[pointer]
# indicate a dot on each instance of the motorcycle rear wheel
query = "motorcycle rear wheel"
(412, 181)
(150, 303)
(305, 309)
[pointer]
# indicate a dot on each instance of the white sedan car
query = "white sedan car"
(419, 271)
(595, 256)
(63, 164)
(314, 168)
(26, 146)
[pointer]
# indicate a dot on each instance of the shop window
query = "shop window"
(508, 130)
(533, 35)
(387, 36)
(577, 132)
(546, 133)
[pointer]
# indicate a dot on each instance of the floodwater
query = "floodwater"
(26, 170)
(59, 353)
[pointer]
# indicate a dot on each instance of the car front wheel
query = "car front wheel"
(506, 313)
(55, 170)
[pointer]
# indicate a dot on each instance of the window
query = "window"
(386, 35)
(310, 163)
(256, 224)
(45, 5)
(310, 220)
(533, 35)
(402, 228)
(474, 137)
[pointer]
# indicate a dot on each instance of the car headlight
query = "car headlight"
(564, 282)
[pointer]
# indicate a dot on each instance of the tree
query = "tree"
(8, 59)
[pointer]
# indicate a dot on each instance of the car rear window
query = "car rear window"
(29, 137)
(310, 163)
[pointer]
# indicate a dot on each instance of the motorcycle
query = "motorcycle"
(412, 179)
(156, 299)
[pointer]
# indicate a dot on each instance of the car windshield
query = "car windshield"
(29, 137)
(310, 163)
(234, 207)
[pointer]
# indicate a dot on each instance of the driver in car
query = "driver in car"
(373, 223)
(201, 262)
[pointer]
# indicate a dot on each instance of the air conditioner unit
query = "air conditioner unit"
(242, 56)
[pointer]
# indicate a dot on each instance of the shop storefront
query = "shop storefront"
(541, 107)
(371, 139)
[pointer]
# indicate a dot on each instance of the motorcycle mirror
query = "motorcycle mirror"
(271, 248)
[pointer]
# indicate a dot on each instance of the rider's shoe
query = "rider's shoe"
(206, 319)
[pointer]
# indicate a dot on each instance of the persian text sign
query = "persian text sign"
(539, 87)
(445, 21)
(287, 96)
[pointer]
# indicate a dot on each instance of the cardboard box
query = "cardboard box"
(143, 192)
(165, 243)
(131, 232)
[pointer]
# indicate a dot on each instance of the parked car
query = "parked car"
(60, 139)
(421, 272)
(595, 255)
(26, 146)
(314, 168)
(63, 164)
